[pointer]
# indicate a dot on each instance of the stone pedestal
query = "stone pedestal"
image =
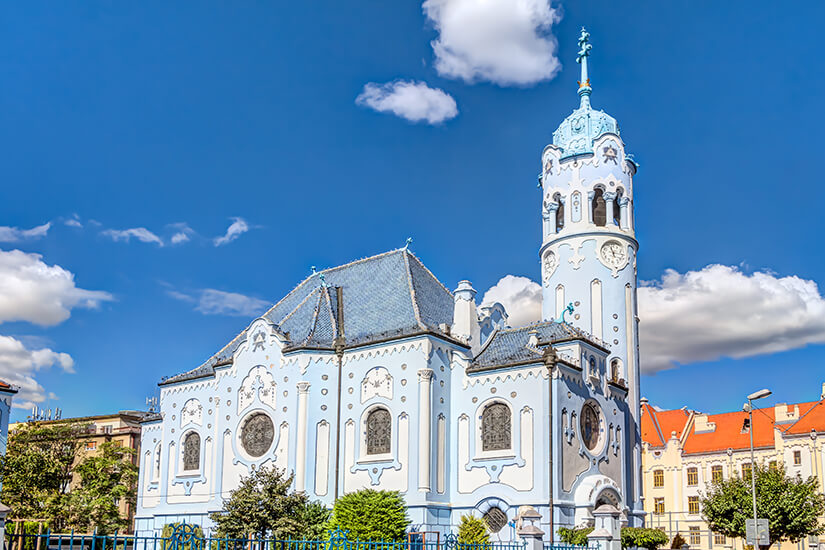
(528, 531)
(607, 531)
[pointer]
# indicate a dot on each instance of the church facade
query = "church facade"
(375, 375)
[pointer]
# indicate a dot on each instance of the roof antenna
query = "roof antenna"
(409, 242)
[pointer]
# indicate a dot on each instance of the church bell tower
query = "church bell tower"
(588, 249)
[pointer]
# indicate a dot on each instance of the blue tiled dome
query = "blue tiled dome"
(576, 133)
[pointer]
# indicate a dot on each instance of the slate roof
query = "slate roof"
(391, 295)
(510, 346)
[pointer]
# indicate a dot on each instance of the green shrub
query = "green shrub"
(371, 515)
(577, 537)
(643, 537)
(678, 541)
(472, 530)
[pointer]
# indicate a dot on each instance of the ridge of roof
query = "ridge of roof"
(408, 272)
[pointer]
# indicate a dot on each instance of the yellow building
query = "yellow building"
(123, 428)
(684, 450)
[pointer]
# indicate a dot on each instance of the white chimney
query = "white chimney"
(465, 316)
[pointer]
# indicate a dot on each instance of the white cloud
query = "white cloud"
(504, 41)
(520, 296)
(31, 290)
(238, 228)
(183, 233)
(702, 315)
(15, 234)
(217, 302)
(719, 311)
(414, 101)
(74, 221)
(18, 366)
(140, 233)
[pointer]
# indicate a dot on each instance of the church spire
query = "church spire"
(581, 58)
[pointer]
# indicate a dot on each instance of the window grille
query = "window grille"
(191, 452)
(495, 427)
(379, 432)
(495, 519)
(257, 434)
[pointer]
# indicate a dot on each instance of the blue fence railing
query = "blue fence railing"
(185, 537)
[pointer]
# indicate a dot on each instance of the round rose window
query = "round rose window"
(590, 426)
(257, 434)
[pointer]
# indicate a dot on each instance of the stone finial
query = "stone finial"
(465, 291)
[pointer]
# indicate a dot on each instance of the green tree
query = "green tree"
(264, 506)
(576, 537)
(791, 505)
(315, 517)
(472, 530)
(371, 515)
(104, 480)
(642, 537)
(37, 469)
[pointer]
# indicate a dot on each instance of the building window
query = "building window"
(716, 475)
(797, 458)
(257, 434)
(615, 370)
(599, 208)
(693, 477)
(191, 451)
(617, 209)
(559, 212)
(658, 478)
(495, 427)
(592, 370)
(746, 470)
(379, 432)
(719, 538)
(590, 426)
(695, 538)
(156, 464)
(659, 506)
(91, 445)
(107, 429)
(693, 505)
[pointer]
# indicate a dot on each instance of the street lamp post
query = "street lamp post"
(753, 397)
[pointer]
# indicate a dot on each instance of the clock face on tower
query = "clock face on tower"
(613, 254)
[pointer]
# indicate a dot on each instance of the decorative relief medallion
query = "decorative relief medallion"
(257, 434)
(613, 255)
(192, 411)
(259, 384)
(610, 154)
(376, 383)
(550, 264)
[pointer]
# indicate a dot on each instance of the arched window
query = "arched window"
(617, 212)
(559, 212)
(592, 370)
(615, 370)
(495, 427)
(379, 432)
(191, 451)
(599, 208)
(156, 463)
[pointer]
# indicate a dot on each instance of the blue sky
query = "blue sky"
(194, 118)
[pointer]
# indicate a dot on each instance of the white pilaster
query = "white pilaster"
(425, 377)
(301, 449)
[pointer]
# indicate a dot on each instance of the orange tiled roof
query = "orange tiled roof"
(657, 426)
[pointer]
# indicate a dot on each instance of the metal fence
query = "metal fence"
(186, 537)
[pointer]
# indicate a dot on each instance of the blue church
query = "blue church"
(375, 375)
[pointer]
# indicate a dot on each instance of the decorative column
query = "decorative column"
(608, 203)
(590, 195)
(550, 209)
(425, 378)
(624, 213)
(301, 449)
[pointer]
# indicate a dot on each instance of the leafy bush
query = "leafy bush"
(577, 537)
(643, 537)
(314, 518)
(678, 541)
(371, 515)
(472, 530)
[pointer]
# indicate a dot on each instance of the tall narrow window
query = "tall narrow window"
(746, 470)
(615, 370)
(659, 506)
(695, 538)
(191, 451)
(797, 458)
(156, 463)
(495, 427)
(658, 478)
(719, 539)
(379, 432)
(693, 476)
(693, 505)
(599, 208)
(559, 212)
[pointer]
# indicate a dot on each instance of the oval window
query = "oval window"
(257, 434)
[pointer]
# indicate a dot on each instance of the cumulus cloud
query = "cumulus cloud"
(125, 235)
(18, 366)
(520, 296)
(414, 101)
(15, 234)
(210, 301)
(719, 311)
(703, 315)
(33, 291)
(507, 42)
(238, 228)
